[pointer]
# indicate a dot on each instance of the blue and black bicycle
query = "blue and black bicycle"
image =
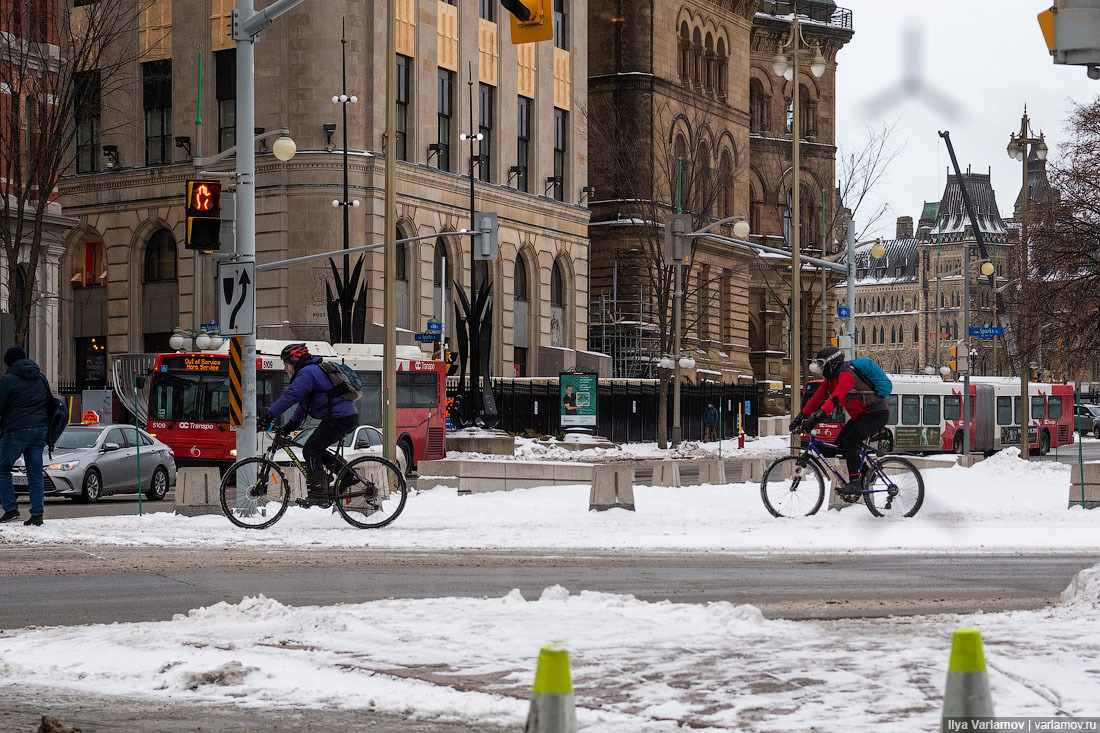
(794, 486)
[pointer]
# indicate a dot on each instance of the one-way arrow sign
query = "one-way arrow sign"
(237, 298)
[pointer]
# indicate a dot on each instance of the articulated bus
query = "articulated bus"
(926, 415)
(189, 398)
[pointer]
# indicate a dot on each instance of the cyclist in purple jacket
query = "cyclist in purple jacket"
(310, 388)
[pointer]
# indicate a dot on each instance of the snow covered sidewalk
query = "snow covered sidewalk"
(999, 505)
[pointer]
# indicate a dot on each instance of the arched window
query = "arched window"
(725, 181)
(863, 335)
(557, 306)
(160, 257)
(402, 278)
(697, 58)
(723, 69)
(882, 334)
(808, 108)
(915, 339)
(521, 329)
(874, 335)
(711, 64)
(685, 53)
(893, 334)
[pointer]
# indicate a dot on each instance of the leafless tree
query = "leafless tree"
(1058, 303)
(56, 62)
(655, 166)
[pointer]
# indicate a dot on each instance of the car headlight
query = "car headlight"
(63, 466)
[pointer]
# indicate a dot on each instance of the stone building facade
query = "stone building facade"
(909, 303)
(684, 90)
(128, 281)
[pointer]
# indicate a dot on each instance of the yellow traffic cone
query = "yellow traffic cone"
(552, 709)
(967, 694)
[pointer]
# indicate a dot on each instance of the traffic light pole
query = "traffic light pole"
(247, 24)
(967, 427)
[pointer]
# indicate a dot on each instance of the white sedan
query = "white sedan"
(365, 441)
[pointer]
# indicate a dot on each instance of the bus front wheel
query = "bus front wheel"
(957, 446)
(1044, 443)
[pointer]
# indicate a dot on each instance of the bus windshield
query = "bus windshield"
(192, 396)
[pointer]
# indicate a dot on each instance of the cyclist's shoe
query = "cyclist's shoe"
(852, 489)
(314, 500)
(317, 490)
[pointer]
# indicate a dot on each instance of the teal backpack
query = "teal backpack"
(874, 376)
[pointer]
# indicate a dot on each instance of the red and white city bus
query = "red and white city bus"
(926, 414)
(189, 398)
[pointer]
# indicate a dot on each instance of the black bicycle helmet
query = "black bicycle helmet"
(294, 354)
(828, 362)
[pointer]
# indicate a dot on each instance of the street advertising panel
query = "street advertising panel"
(578, 399)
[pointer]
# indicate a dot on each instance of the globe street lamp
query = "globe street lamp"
(797, 47)
(1018, 150)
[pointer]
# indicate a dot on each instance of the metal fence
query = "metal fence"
(626, 410)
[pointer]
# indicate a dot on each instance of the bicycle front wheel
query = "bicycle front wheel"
(370, 492)
(894, 489)
(793, 490)
(254, 493)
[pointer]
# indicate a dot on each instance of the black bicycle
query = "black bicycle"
(794, 486)
(368, 491)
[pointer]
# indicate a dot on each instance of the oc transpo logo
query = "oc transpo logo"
(195, 426)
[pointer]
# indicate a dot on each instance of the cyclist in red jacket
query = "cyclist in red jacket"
(843, 386)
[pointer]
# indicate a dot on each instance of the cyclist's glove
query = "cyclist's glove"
(798, 423)
(290, 427)
(815, 418)
(264, 420)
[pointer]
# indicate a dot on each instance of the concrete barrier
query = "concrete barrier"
(1088, 492)
(612, 486)
(666, 473)
(197, 491)
(712, 471)
(477, 476)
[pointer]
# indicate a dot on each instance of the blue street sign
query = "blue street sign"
(987, 332)
(434, 327)
(843, 312)
(427, 338)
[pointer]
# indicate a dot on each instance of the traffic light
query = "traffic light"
(203, 212)
(532, 20)
(1071, 29)
(954, 350)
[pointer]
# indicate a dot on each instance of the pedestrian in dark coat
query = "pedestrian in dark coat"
(24, 394)
(710, 422)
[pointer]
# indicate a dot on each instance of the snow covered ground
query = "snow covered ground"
(637, 666)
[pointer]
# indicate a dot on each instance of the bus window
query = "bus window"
(931, 410)
(892, 403)
(370, 405)
(1015, 410)
(1054, 407)
(1038, 408)
(417, 389)
(910, 409)
(1004, 410)
(952, 407)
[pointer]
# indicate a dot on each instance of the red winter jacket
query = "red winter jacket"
(843, 390)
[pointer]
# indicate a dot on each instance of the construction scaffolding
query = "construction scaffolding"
(627, 332)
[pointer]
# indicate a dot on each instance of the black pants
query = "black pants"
(326, 433)
(855, 432)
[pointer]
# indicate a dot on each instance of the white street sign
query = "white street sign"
(237, 298)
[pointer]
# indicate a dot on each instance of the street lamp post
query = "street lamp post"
(1018, 150)
(344, 100)
(796, 46)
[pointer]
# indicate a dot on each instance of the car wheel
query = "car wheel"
(158, 487)
(93, 487)
(405, 460)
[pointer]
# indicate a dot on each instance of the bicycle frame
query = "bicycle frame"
(286, 447)
(813, 451)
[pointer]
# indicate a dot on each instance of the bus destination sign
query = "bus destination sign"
(194, 363)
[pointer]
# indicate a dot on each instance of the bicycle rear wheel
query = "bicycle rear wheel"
(254, 493)
(370, 492)
(792, 490)
(896, 489)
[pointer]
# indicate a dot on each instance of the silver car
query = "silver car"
(90, 461)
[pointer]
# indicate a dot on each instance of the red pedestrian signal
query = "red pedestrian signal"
(203, 210)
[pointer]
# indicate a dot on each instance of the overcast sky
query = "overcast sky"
(984, 58)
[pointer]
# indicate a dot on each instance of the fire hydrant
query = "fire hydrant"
(741, 439)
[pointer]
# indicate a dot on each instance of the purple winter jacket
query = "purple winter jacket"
(309, 389)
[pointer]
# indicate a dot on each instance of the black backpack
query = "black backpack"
(57, 417)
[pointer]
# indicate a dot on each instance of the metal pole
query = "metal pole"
(796, 264)
(968, 428)
(345, 318)
(389, 347)
(246, 220)
(473, 216)
(1025, 407)
(676, 306)
(851, 350)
